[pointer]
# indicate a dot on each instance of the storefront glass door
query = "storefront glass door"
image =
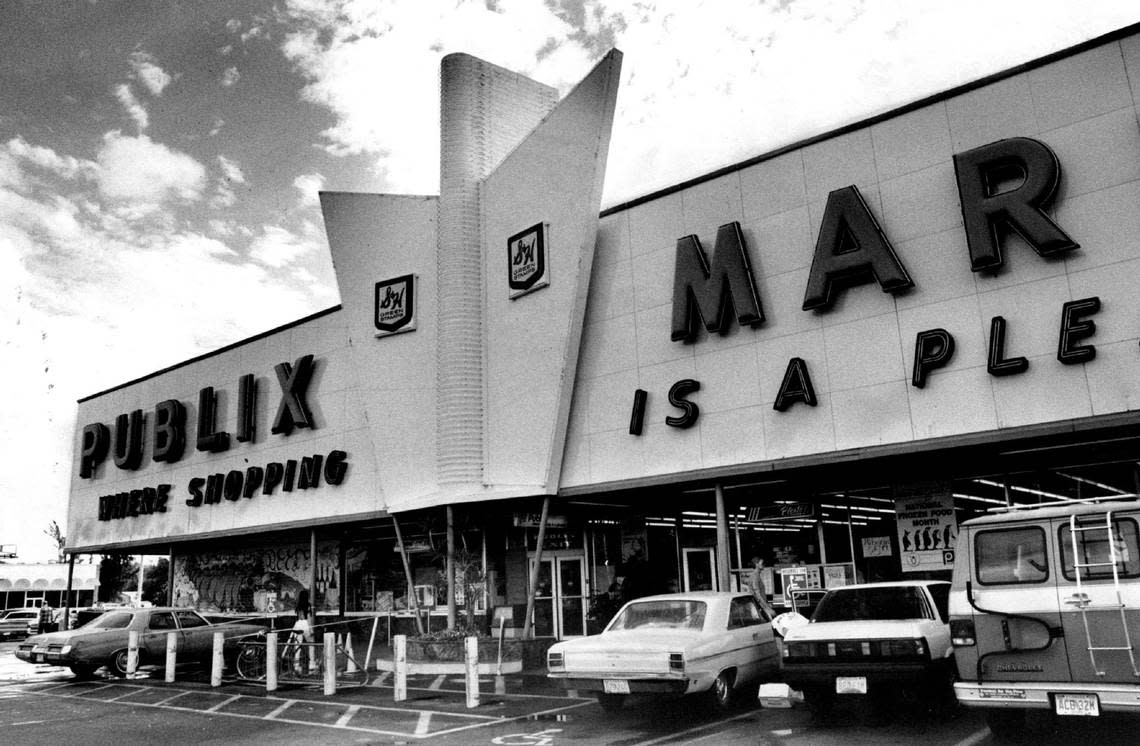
(560, 603)
(699, 569)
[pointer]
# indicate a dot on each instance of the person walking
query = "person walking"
(756, 585)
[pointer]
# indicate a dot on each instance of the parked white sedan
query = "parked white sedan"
(678, 643)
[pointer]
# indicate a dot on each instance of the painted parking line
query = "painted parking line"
(409, 722)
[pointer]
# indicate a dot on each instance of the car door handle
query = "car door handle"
(1078, 599)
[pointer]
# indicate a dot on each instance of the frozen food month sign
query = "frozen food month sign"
(928, 529)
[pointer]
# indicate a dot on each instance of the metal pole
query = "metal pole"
(851, 541)
(722, 568)
(450, 567)
(678, 525)
(65, 620)
(170, 576)
(312, 577)
(528, 620)
(413, 603)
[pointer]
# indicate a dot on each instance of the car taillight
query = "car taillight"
(908, 647)
(676, 662)
(962, 633)
(798, 650)
(554, 661)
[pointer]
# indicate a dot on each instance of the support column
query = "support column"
(528, 623)
(170, 576)
(450, 567)
(64, 622)
(312, 577)
(413, 602)
(678, 524)
(722, 563)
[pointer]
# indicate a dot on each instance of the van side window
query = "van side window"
(1011, 556)
(1095, 553)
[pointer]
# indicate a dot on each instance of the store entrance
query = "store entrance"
(560, 602)
(699, 568)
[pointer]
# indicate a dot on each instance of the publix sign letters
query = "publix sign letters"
(166, 430)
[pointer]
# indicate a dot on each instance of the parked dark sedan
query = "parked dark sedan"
(103, 640)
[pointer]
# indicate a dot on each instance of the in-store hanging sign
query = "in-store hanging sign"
(927, 527)
(527, 268)
(781, 512)
(395, 305)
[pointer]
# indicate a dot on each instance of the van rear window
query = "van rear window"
(1011, 556)
(1096, 553)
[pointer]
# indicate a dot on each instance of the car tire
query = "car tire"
(611, 702)
(117, 663)
(83, 670)
(1007, 725)
(722, 694)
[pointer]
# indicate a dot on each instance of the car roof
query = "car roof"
(1045, 512)
(692, 596)
(890, 584)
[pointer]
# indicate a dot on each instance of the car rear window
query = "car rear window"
(1096, 553)
(884, 603)
(1011, 556)
(660, 614)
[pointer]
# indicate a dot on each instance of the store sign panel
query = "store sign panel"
(927, 529)
(527, 268)
(877, 546)
(781, 512)
(395, 310)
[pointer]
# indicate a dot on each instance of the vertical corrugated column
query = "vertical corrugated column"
(485, 111)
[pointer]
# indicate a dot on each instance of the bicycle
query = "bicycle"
(297, 660)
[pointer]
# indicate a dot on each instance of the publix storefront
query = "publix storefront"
(827, 356)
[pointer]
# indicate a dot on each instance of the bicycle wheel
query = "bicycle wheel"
(251, 663)
(291, 664)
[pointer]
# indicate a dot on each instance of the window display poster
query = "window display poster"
(927, 529)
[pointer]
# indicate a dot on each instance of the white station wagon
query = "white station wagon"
(678, 643)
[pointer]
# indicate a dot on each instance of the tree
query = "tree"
(60, 540)
(155, 579)
(117, 572)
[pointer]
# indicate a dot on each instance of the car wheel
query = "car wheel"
(721, 692)
(611, 702)
(117, 664)
(1007, 725)
(83, 670)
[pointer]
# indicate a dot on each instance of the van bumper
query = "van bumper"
(1034, 695)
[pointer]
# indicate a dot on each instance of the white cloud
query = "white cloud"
(277, 247)
(230, 76)
(135, 110)
(309, 185)
(350, 54)
(139, 170)
(147, 72)
(231, 171)
(67, 167)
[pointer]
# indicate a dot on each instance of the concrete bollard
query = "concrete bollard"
(218, 662)
(400, 663)
(271, 662)
(350, 665)
(472, 649)
(132, 651)
(171, 655)
(329, 652)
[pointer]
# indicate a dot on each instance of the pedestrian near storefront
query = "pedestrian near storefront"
(756, 585)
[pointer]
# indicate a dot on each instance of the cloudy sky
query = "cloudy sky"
(160, 162)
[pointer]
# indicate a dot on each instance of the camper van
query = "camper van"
(1045, 611)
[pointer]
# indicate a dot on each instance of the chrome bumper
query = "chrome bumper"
(1038, 695)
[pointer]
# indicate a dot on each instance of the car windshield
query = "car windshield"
(668, 614)
(886, 603)
(110, 620)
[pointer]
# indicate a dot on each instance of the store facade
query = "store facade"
(826, 357)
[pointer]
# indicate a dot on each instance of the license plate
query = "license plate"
(1076, 704)
(39, 657)
(850, 684)
(615, 686)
